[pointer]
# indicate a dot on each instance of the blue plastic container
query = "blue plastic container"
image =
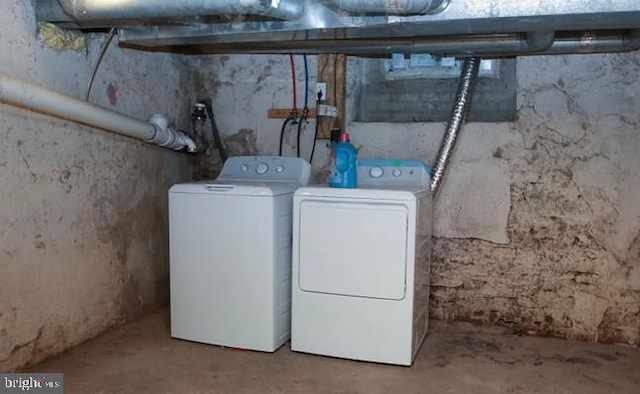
(343, 167)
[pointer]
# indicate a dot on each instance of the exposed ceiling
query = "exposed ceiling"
(487, 28)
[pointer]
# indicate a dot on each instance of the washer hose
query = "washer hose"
(215, 132)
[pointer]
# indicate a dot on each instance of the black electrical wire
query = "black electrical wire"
(284, 127)
(105, 46)
(315, 134)
(215, 132)
(315, 139)
(306, 81)
(302, 119)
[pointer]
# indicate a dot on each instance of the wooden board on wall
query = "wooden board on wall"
(332, 71)
(283, 113)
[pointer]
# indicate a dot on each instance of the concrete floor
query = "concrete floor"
(457, 358)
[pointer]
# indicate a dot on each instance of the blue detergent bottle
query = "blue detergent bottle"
(343, 167)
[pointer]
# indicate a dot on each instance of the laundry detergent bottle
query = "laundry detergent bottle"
(343, 164)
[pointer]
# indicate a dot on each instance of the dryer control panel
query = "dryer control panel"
(393, 172)
(266, 169)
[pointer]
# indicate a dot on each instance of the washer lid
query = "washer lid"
(237, 188)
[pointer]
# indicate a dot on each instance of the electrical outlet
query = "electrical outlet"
(321, 90)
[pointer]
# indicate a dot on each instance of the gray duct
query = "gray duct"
(390, 7)
(461, 106)
(92, 10)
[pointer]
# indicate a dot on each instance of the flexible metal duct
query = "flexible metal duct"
(461, 106)
(37, 98)
(88, 10)
(390, 7)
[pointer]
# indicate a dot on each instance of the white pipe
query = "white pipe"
(33, 97)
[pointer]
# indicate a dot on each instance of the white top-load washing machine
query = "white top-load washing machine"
(230, 254)
(361, 265)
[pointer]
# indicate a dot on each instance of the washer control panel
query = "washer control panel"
(393, 172)
(266, 169)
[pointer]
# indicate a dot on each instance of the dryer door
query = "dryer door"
(354, 249)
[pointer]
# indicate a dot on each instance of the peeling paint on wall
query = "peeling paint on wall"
(573, 215)
(83, 223)
(242, 143)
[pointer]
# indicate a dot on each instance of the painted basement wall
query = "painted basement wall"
(538, 224)
(83, 234)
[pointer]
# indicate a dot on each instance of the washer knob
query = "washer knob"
(376, 172)
(262, 168)
(244, 168)
(397, 172)
(280, 168)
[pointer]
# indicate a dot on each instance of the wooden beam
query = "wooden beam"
(283, 113)
(332, 71)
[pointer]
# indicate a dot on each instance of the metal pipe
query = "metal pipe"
(531, 44)
(500, 44)
(494, 44)
(389, 7)
(33, 97)
(594, 42)
(461, 106)
(96, 10)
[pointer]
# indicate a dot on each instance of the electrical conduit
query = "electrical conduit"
(459, 112)
(36, 98)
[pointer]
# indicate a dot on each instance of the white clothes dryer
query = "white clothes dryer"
(361, 265)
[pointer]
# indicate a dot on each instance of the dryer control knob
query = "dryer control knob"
(376, 172)
(280, 169)
(244, 168)
(262, 168)
(397, 172)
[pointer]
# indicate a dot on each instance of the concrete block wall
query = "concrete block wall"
(384, 99)
(83, 234)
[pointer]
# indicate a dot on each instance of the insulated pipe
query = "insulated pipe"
(33, 97)
(390, 7)
(95, 10)
(461, 106)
